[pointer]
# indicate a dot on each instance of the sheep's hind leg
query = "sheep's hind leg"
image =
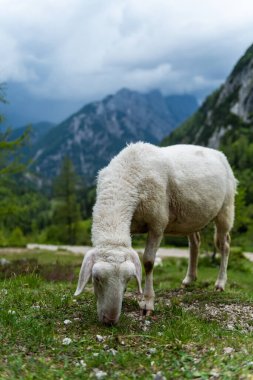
(147, 302)
(223, 224)
(191, 275)
(223, 244)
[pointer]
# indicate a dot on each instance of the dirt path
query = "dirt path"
(162, 252)
(77, 250)
(81, 250)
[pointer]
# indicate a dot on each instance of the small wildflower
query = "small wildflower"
(81, 364)
(36, 307)
(95, 354)
(4, 291)
(12, 312)
(66, 341)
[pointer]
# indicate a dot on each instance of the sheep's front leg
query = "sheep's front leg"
(194, 243)
(147, 302)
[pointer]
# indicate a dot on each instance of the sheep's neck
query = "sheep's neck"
(112, 217)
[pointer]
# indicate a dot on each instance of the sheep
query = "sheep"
(173, 190)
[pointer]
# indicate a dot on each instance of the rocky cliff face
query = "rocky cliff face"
(92, 136)
(226, 113)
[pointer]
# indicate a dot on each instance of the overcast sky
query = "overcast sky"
(83, 50)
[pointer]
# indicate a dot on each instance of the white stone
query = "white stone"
(228, 350)
(100, 374)
(66, 341)
(112, 351)
(99, 338)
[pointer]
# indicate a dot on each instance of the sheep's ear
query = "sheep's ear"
(85, 271)
(138, 269)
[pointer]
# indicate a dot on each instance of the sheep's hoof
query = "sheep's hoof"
(188, 281)
(146, 307)
(220, 286)
(146, 313)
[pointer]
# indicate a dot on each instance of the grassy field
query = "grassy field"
(193, 334)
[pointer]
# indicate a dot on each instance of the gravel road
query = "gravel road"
(81, 250)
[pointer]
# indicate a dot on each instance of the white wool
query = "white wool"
(176, 190)
(179, 189)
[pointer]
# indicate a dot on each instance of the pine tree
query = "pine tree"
(9, 149)
(67, 210)
(10, 164)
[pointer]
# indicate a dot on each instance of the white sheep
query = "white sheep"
(175, 190)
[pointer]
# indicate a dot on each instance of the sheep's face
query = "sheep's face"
(110, 281)
(110, 278)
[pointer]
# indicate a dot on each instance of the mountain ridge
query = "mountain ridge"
(99, 130)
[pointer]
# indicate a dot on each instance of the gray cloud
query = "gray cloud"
(80, 49)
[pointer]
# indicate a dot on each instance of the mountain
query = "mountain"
(226, 115)
(38, 130)
(98, 131)
(225, 121)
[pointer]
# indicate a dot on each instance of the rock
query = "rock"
(99, 374)
(228, 350)
(66, 341)
(159, 376)
(99, 338)
(67, 321)
(151, 351)
(4, 262)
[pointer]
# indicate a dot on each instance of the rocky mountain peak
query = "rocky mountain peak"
(98, 131)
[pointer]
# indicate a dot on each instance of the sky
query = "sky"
(69, 52)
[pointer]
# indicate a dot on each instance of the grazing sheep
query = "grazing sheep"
(175, 190)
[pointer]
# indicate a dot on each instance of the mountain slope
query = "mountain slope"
(226, 114)
(225, 121)
(38, 131)
(97, 132)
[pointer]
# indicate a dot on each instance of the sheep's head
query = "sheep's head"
(110, 274)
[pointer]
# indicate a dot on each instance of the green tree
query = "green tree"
(11, 208)
(66, 208)
(9, 149)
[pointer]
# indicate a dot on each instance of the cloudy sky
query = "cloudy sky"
(74, 51)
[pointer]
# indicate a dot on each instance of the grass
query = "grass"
(182, 340)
